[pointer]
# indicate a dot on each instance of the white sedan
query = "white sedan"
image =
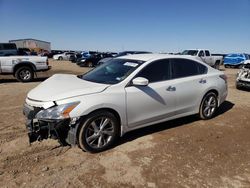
(127, 93)
(63, 56)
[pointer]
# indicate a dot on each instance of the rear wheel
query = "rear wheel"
(24, 74)
(98, 132)
(208, 106)
(60, 58)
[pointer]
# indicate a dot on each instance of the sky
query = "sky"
(223, 26)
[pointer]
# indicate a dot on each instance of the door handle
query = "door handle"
(203, 81)
(171, 88)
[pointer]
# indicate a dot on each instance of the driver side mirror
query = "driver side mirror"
(140, 81)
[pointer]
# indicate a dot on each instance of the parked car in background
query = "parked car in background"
(125, 94)
(23, 67)
(92, 60)
(104, 60)
(63, 56)
(80, 56)
(54, 52)
(8, 49)
(235, 60)
(205, 56)
(243, 76)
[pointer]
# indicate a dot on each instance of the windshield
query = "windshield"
(112, 72)
(190, 52)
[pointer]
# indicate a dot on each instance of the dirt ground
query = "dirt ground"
(187, 152)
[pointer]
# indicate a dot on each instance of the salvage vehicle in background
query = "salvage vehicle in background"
(243, 76)
(92, 61)
(235, 60)
(127, 93)
(63, 56)
(23, 67)
(205, 56)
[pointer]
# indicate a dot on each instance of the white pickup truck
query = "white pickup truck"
(23, 67)
(205, 56)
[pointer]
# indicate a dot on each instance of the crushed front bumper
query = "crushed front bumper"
(62, 130)
(242, 83)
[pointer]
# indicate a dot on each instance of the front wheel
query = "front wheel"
(90, 64)
(208, 106)
(24, 74)
(60, 58)
(217, 65)
(98, 132)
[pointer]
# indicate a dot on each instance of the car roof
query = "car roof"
(153, 57)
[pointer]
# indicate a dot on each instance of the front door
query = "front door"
(147, 104)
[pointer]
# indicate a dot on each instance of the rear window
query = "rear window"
(190, 52)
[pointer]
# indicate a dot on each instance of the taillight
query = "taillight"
(224, 77)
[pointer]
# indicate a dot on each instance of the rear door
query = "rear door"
(189, 79)
(147, 104)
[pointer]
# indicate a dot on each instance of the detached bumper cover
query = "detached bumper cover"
(38, 130)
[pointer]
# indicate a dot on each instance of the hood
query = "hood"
(62, 86)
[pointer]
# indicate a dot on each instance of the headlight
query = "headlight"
(83, 60)
(57, 112)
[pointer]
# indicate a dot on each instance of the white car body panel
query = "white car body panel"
(137, 106)
(8, 63)
(64, 56)
(61, 86)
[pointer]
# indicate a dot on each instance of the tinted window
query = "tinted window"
(207, 53)
(190, 52)
(184, 68)
(9, 46)
(156, 71)
(201, 68)
(201, 53)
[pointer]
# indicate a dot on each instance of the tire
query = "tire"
(217, 65)
(208, 106)
(226, 66)
(240, 66)
(89, 64)
(237, 86)
(92, 137)
(60, 58)
(24, 74)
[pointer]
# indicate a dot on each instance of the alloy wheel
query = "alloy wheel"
(99, 132)
(209, 107)
(25, 74)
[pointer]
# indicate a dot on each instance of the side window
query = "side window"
(201, 53)
(156, 71)
(185, 67)
(207, 53)
(9, 46)
(201, 68)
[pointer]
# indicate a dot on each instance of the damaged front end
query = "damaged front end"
(243, 77)
(40, 128)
